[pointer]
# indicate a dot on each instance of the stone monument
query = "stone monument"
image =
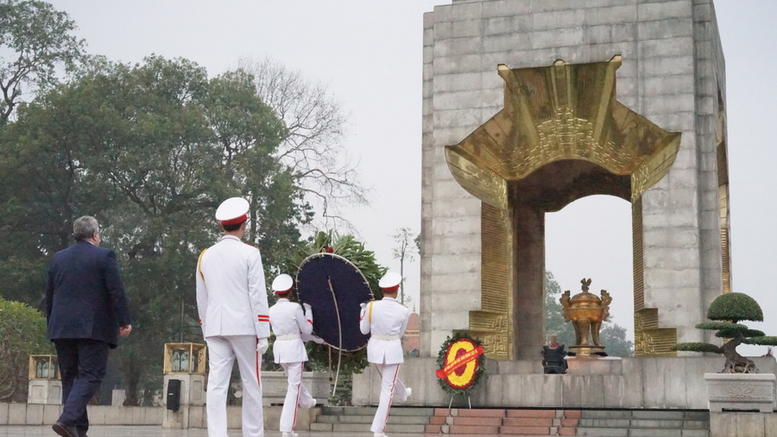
(529, 105)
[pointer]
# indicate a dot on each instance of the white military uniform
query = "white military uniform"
(232, 305)
(386, 321)
(290, 325)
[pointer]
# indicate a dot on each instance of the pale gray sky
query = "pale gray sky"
(368, 53)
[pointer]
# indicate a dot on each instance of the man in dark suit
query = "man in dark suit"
(86, 310)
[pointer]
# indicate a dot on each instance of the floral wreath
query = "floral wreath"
(461, 364)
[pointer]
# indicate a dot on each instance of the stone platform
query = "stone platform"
(628, 383)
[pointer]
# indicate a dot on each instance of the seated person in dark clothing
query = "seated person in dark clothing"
(553, 361)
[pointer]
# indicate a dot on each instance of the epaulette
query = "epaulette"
(199, 263)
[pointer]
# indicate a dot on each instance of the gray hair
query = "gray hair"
(85, 227)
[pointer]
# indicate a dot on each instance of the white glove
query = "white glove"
(262, 345)
(313, 338)
(363, 305)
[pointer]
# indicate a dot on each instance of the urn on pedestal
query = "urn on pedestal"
(586, 311)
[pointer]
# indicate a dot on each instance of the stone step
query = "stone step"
(437, 429)
(473, 429)
(604, 423)
(480, 421)
(524, 430)
(523, 422)
(478, 412)
(654, 432)
(409, 420)
(603, 432)
(645, 414)
(370, 411)
(475, 412)
(529, 421)
(532, 413)
(641, 432)
(321, 427)
(658, 414)
(397, 428)
(643, 423)
(605, 414)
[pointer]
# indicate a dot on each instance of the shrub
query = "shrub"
(22, 333)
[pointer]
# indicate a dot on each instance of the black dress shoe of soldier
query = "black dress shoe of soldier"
(64, 430)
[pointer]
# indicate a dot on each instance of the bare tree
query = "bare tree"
(404, 250)
(312, 147)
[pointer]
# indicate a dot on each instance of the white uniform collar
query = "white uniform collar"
(229, 237)
(283, 299)
(390, 298)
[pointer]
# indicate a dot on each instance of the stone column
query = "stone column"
(529, 300)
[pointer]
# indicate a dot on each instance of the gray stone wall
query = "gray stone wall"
(672, 69)
(103, 415)
(642, 382)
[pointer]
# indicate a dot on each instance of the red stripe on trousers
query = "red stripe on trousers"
(391, 397)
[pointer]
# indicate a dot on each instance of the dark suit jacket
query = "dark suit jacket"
(85, 298)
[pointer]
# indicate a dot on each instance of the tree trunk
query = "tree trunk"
(736, 363)
(132, 380)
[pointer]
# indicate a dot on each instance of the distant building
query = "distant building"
(411, 342)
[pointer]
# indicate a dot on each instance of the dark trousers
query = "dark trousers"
(82, 365)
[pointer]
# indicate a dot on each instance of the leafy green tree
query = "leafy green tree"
(40, 39)
(22, 333)
(726, 311)
(150, 149)
(613, 336)
(554, 313)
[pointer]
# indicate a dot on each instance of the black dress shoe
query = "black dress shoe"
(64, 430)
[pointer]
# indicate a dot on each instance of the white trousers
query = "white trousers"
(297, 395)
(391, 389)
(222, 353)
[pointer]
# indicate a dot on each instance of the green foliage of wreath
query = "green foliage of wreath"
(480, 373)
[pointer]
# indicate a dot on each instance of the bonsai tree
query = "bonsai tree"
(726, 311)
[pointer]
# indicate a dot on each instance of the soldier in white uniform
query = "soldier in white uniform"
(232, 305)
(386, 321)
(291, 328)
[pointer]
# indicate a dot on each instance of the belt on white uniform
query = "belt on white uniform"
(385, 337)
(287, 337)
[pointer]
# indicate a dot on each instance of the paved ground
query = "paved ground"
(155, 431)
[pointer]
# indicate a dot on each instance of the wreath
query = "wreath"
(461, 364)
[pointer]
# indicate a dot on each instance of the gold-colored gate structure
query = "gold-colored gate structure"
(561, 135)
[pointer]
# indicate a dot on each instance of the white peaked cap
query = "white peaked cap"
(232, 211)
(390, 280)
(282, 283)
